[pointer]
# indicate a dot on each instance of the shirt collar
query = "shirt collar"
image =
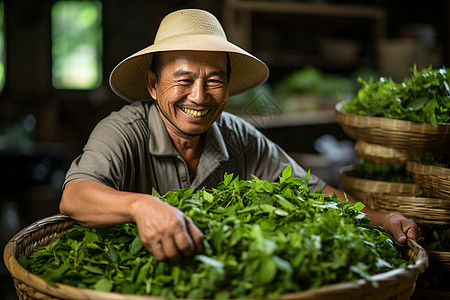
(160, 142)
(215, 146)
(214, 153)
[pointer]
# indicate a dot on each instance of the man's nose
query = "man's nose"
(198, 93)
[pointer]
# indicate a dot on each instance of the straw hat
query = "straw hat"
(188, 29)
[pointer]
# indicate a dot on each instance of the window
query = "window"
(77, 40)
(2, 46)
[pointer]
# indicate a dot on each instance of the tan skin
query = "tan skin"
(192, 92)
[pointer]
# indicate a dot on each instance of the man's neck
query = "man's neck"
(186, 144)
(190, 149)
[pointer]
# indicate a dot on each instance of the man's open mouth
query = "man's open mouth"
(194, 113)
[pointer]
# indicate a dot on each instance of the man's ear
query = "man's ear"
(150, 80)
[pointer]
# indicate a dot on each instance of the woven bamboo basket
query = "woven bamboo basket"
(427, 211)
(365, 190)
(395, 284)
(380, 154)
(434, 180)
(394, 133)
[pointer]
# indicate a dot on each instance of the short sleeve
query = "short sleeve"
(103, 156)
(116, 153)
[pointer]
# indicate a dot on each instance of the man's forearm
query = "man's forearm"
(96, 205)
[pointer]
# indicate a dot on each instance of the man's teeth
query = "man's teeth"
(195, 113)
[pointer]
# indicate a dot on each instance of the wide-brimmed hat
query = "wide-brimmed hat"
(187, 29)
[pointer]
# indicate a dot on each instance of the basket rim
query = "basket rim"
(425, 169)
(62, 290)
(382, 152)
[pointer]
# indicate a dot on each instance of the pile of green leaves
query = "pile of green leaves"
(381, 172)
(423, 97)
(261, 239)
(431, 159)
(435, 238)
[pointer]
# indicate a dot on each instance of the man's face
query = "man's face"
(192, 91)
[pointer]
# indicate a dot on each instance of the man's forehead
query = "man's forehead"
(194, 56)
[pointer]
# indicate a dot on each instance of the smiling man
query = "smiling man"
(191, 93)
(175, 134)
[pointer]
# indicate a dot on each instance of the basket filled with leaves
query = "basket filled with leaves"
(432, 173)
(261, 240)
(366, 179)
(411, 115)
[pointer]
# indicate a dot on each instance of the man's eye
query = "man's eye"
(185, 81)
(215, 81)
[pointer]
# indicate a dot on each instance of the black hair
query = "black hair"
(156, 66)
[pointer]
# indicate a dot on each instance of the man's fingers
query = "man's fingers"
(184, 242)
(411, 231)
(400, 227)
(196, 235)
(168, 233)
(400, 237)
(154, 247)
(170, 249)
(189, 240)
(157, 251)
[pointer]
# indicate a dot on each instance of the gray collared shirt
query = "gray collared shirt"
(130, 150)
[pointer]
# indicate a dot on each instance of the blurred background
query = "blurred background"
(56, 56)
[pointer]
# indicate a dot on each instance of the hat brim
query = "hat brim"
(127, 79)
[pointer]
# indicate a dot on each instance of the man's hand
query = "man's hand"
(165, 231)
(400, 227)
(395, 224)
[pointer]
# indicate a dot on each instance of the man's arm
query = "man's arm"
(395, 224)
(164, 230)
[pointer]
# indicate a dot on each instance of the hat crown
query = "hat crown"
(189, 21)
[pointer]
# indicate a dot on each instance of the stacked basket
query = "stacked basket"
(387, 141)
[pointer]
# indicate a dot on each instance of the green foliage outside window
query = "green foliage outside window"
(2, 46)
(77, 39)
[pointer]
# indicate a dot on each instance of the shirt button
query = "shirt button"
(183, 178)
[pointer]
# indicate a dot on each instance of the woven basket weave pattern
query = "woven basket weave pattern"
(394, 133)
(435, 181)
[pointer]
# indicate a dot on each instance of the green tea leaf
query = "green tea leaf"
(209, 261)
(93, 269)
(286, 173)
(135, 246)
(104, 285)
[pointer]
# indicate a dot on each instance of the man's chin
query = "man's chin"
(195, 132)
